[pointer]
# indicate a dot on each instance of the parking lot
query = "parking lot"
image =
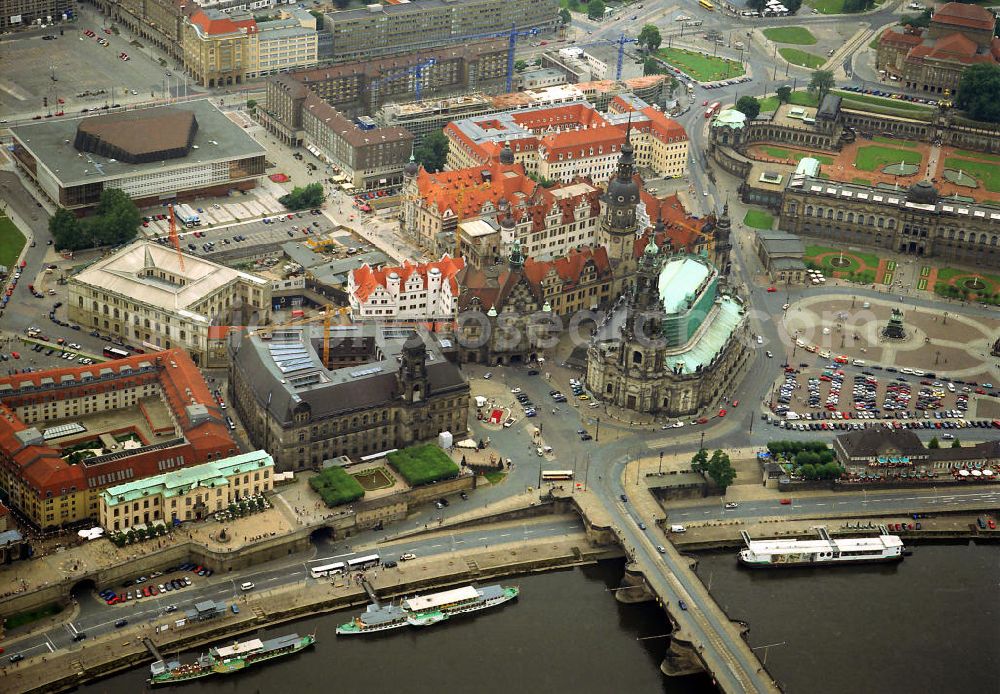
(73, 64)
(842, 396)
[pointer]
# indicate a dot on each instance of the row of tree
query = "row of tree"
(115, 221)
(935, 444)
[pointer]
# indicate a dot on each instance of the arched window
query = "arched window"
(809, 213)
(892, 223)
(850, 217)
(840, 215)
(881, 222)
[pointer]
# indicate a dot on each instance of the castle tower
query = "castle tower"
(617, 230)
(723, 242)
(412, 375)
(507, 155)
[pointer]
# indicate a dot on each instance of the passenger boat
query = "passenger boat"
(225, 660)
(426, 610)
(824, 551)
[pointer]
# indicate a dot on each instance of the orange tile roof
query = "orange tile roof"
(963, 15)
(679, 225)
(222, 25)
(464, 192)
(900, 38)
(367, 279)
(578, 141)
(569, 267)
(42, 467)
(663, 127)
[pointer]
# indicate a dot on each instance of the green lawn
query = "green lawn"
(899, 143)
(11, 242)
(948, 273)
(874, 157)
(829, 6)
(985, 172)
(23, 618)
(869, 259)
(336, 487)
(977, 155)
(861, 181)
(797, 98)
(703, 68)
(880, 101)
(780, 153)
(758, 219)
(797, 35)
(803, 58)
(423, 464)
(495, 477)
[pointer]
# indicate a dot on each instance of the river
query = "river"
(928, 624)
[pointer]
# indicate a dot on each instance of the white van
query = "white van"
(678, 529)
(858, 362)
(247, 585)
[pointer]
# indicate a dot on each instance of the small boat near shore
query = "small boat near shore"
(225, 660)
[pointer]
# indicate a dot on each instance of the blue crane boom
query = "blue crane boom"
(621, 41)
(512, 35)
(415, 70)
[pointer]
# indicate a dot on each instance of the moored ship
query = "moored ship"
(225, 660)
(824, 551)
(425, 610)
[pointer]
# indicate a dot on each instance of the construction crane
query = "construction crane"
(415, 70)
(621, 41)
(174, 239)
(511, 37)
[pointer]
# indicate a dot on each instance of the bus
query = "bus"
(712, 109)
(363, 562)
(706, 4)
(556, 475)
(327, 570)
(115, 352)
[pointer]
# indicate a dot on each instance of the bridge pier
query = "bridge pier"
(681, 658)
(633, 587)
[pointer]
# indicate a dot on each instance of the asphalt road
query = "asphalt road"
(96, 618)
(925, 500)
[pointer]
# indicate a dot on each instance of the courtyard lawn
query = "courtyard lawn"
(985, 172)
(803, 58)
(965, 154)
(758, 219)
(947, 274)
(832, 6)
(899, 143)
(796, 35)
(880, 101)
(423, 464)
(869, 259)
(797, 98)
(11, 242)
(780, 153)
(703, 68)
(336, 487)
(875, 157)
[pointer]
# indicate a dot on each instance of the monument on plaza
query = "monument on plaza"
(996, 348)
(894, 329)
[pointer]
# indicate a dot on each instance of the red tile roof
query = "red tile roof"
(222, 25)
(464, 192)
(367, 280)
(963, 15)
(570, 267)
(42, 468)
(900, 38)
(681, 230)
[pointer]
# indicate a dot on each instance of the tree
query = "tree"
(65, 229)
(652, 66)
(749, 106)
(595, 9)
(977, 92)
(793, 6)
(565, 16)
(821, 83)
(922, 20)
(784, 94)
(433, 151)
(956, 444)
(757, 5)
(115, 221)
(650, 38)
(720, 469)
(251, 105)
(304, 198)
(520, 65)
(934, 443)
(699, 460)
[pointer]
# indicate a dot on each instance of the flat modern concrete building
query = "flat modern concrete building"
(19, 13)
(179, 151)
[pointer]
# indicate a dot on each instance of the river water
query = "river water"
(929, 624)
